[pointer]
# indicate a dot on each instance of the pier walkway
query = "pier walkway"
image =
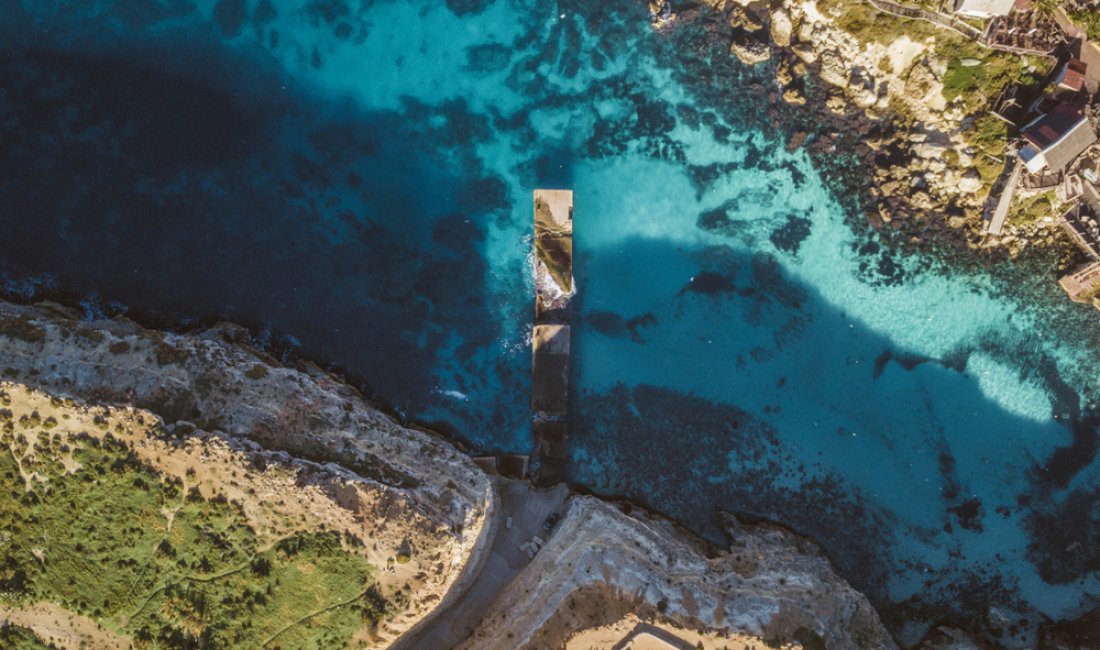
(550, 340)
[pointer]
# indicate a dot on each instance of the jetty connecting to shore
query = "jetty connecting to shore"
(550, 338)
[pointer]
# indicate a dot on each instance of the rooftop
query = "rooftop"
(1056, 139)
(1072, 76)
(1052, 126)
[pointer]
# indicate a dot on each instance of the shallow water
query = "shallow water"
(356, 177)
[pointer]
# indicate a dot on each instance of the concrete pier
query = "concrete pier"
(550, 340)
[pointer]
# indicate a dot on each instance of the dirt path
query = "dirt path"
(318, 612)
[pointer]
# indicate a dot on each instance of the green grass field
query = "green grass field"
(976, 86)
(98, 542)
(1033, 208)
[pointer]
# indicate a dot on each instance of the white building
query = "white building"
(984, 8)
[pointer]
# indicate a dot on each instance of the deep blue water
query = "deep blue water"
(355, 177)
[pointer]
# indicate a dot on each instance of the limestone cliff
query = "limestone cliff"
(407, 485)
(601, 564)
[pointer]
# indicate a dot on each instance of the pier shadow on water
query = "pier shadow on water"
(747, 392)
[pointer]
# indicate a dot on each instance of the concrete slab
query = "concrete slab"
(1005, 202)
(554, 211)
(551, 339)
(550, 383)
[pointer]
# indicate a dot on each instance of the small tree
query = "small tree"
(1045, 9)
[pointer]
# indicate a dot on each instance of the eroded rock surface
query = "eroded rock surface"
(601, 564)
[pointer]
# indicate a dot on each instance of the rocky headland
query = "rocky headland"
(403, 488)
(603, 565)
(412, 493)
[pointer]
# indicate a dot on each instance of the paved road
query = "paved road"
(528, 507)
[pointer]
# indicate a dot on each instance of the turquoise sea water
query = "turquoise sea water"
(355, 178)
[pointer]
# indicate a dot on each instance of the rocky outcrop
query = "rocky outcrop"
(749, 49)
(601, 564)
(1079, 634)
(213, 382)
(276, 495)
(921, 175)
(948, 638)
(925, 168)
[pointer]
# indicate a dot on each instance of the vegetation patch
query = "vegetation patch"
(257, 371)
(1089, 20)
(169, 354)
(22, 328)
(976, 75)
(1034, 208)
(869, 25)
(13, 637)
(87, 524)
(988, 137)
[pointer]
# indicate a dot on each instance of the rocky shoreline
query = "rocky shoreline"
(603, 563)
(770, 584)
(875, 124)
(906, 164)
(212, 384)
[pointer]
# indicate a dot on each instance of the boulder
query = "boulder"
(793, 97)
(836, 104)
(783, 73)
(833, 69)
(927, 150)
(804, 52)
(781, 28)
(749, 16)
(970, 182)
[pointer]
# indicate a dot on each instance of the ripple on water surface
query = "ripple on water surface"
(358, 176)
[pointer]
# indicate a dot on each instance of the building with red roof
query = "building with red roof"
(1054, 140)
(1072, 76)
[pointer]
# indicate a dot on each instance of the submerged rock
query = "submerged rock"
(948, 638)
